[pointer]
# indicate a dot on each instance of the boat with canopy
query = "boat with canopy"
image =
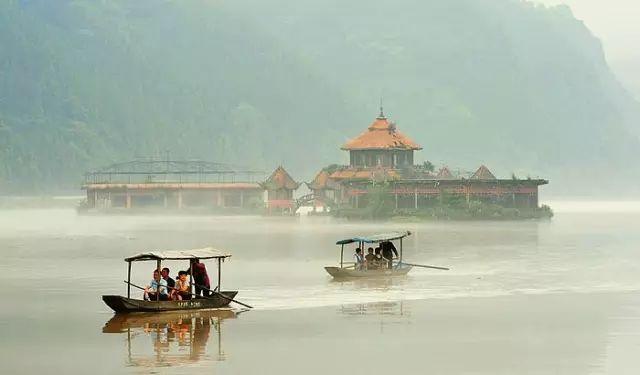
(397, 266)
(217, 299)
(348, 270)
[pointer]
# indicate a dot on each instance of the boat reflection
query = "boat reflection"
(395, 308)
(383, 314)
(170, 338)
(376, 283)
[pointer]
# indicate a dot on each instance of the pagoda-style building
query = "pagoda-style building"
(323, 190)
(382, 154)
(382, 145)
(280, 187)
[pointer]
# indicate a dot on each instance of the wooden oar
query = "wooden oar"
(223, 296)
(425, 266)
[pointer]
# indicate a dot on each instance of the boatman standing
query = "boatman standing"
(358, 259)
(388, 251)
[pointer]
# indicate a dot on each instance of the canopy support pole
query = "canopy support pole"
(129, 280)
(159, 264)
(341, 255)
(191, 276)
(400, 250)
(219, 273)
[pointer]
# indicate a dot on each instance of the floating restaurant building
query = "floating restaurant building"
(173, 185)
(382, 155)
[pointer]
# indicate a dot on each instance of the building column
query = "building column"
(415, 197)
(241, 198)
(179, 199)
(467, 190)
(127, 203)
(396, 195)
(166, 199)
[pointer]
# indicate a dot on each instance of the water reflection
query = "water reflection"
(376, 308)
(170, 338)
(381, 315)
(371, 283)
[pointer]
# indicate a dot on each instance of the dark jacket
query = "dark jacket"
(388, 250)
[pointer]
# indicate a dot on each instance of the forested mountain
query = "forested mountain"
(518, 87)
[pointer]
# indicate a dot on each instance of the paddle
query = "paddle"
(425, 266)
(222, 295)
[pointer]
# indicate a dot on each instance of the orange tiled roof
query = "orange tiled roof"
(381, 134)
(483, 173)
(280, 179)
(321, 181)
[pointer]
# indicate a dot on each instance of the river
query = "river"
(558, 296)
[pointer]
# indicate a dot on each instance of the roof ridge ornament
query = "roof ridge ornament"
(381, 115)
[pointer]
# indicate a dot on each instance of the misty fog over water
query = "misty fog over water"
(149, 125)
(522, 272)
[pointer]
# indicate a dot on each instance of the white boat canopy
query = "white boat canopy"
(382, 237)
(204, 253)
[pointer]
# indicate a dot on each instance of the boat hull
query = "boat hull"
(122, 304)
(347, 273)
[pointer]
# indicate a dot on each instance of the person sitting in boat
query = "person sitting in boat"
(358, 259)
(378, 260)
(157, 289)
(369, 259)
(182, 290)
(200, 277)
(170, 282)
(388, 252)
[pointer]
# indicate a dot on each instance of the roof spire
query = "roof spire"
(381, 115)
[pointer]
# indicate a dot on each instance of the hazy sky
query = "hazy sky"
(616, 23)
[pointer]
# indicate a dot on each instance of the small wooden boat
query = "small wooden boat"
(122, 304)
(339, 272)
(217, 299)
(398, 268)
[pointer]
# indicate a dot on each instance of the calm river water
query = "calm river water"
(559, 296)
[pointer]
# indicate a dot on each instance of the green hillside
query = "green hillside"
(520, 88)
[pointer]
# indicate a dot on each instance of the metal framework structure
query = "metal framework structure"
(172, 171)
